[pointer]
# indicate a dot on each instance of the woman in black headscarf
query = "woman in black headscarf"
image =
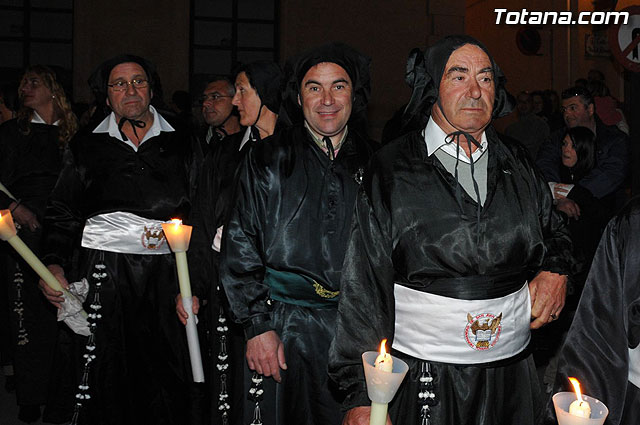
(258, 100)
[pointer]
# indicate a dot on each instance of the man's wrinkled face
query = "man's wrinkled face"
(577, 113)
(467, 92)
(216, 102)
(132, 103)
(326, 97)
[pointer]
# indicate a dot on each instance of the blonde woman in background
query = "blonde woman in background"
(31, 151)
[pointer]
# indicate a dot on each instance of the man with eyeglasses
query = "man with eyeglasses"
(120, 181)
(612, 154)
(218, 111)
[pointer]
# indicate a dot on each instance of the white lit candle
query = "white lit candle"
(8, 233)
(179, 235)
(384, 361)
(579, 407)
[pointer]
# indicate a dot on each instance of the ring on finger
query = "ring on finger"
(553, 316)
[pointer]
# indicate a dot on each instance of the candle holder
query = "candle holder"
(381, 386)
(562, 401)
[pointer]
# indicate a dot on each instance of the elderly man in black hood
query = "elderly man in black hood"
(284, 243)
(120, 181)
(455, 253)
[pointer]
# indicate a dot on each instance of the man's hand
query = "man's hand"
(54, 297)
(548, 291)
(182, 314)
(359, 416)
(24, 217)
(569, 207)
(265, 354)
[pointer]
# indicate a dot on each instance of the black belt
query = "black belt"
(477, 287)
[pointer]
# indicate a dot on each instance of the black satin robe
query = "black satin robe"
(607, 323)
(29, 168)
(141, 370)
(410, 229)
(212, 205)
(292, 214)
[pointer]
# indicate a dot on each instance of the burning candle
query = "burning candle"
(8, 233)
(384, 361)
(579, 407)
(179, 235)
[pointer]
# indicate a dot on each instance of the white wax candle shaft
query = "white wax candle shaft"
(192, 332)
(37, 266)
(378, 414)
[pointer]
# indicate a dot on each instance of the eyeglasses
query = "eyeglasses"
(137, 83)
(213, 97)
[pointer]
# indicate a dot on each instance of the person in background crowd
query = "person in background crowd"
(120, 181)
(31, 151)
(218, 112)
(612, 148)
(554, 116)
(530, 129)
(607, 107)
(8, 102)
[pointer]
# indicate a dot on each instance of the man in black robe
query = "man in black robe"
(602, 347)
(120, 181)
(218, 112)
(455, 253)
(212, 206)
(284, 244)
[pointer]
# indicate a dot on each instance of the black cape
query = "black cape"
(293, 213)
(141, 368)
(409, 229)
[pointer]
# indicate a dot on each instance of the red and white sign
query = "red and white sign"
(624, 40)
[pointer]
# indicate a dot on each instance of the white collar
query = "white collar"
(37, 119)
(109, 125)
(435, 138)
(245, 137)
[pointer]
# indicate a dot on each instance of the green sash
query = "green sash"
(294, 288)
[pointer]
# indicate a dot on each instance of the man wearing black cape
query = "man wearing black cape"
(284, 244)
(120, 181)
(455, 253)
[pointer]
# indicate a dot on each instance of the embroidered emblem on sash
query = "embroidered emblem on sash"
(152, 237)
(482, 331)
(324, 292)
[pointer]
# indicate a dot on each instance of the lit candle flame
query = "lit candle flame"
(576, 387)
(383, 350)
(177, 222)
